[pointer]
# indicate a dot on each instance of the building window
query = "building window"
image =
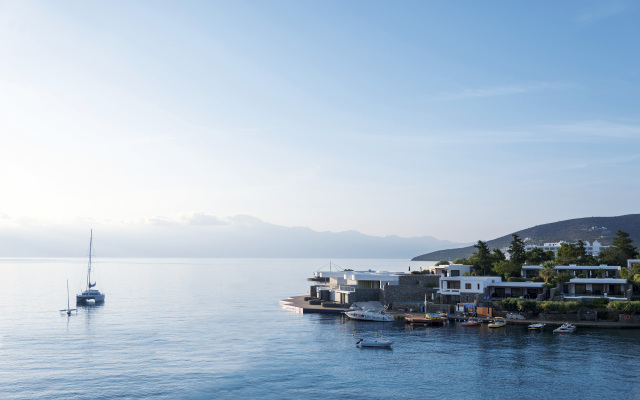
(467, 286)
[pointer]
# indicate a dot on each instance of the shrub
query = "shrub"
(559, 306)
(598, 303)
(527, 305)
(626, 307)
(564, 277)
(537, 279)
(516, 279)
(509, 304)
(582, 276)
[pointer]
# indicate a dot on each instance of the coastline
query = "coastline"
(300, 305)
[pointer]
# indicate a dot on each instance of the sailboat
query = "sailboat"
(68, 310)
(90, 295)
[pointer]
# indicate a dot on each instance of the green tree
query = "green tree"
(497, 255)
(507, 269)
(624, 243)
(442, 262)
(516, 250)
(535, 256)
(568, 253)
(620, 251)
(548, 271)
(481, 259)
(631, 273)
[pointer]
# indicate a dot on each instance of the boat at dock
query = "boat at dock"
(89, 295)
(472, 322)
(369, 315)
(537, 326)
(498, 323)
(373, 343)
(565, 328)
(427, 319)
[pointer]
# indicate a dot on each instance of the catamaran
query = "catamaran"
(90, 295)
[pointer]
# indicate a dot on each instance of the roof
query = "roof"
(593, 267)
(518, 284)
(598, 281)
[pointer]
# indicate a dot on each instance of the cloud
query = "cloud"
(502, 91)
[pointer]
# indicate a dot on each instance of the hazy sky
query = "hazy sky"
(461, 120)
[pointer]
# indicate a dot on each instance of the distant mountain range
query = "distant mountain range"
(207, 236)
(602, 229)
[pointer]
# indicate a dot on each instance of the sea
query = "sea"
(214, 329)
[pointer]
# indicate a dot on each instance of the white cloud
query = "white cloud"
(502, 91)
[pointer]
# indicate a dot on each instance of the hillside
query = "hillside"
(602, 229)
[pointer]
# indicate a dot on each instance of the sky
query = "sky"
(459, 120)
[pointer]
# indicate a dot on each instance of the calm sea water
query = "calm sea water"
(213, 329)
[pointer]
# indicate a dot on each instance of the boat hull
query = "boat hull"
(374, 343)
(369, 316)
(85, 298)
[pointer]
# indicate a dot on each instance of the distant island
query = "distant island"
(602, 229)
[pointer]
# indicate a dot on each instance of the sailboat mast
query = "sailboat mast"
(89, 273)
(68, 306)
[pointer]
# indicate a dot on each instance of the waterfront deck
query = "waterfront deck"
(300, 305)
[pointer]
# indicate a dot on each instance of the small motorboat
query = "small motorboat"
(373, 343)
(537, 326)
(369, 315)
(498, 323)
(565, 328)
(472, 322)
(427, 319)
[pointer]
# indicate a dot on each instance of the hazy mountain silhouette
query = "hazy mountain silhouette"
(202, 235)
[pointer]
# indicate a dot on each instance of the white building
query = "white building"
(463, 289)
(592, 249)
(589, 271)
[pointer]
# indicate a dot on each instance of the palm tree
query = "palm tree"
(548, 271)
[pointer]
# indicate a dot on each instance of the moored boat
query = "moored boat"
(89, 295)
(537, 326)
(373, 343)
(498, 323)
(471, 322)
(427, 319)
(369, 315)
(565, 328)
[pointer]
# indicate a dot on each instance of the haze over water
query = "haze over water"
(213, 328)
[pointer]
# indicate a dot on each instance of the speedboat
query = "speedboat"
(471, 322)
(373, 343)
(565, 328)
(498, 323)
(369, 315)
(89, 295)
(539, 325)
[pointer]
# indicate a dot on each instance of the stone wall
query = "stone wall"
(410, 289)
(633, 319)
